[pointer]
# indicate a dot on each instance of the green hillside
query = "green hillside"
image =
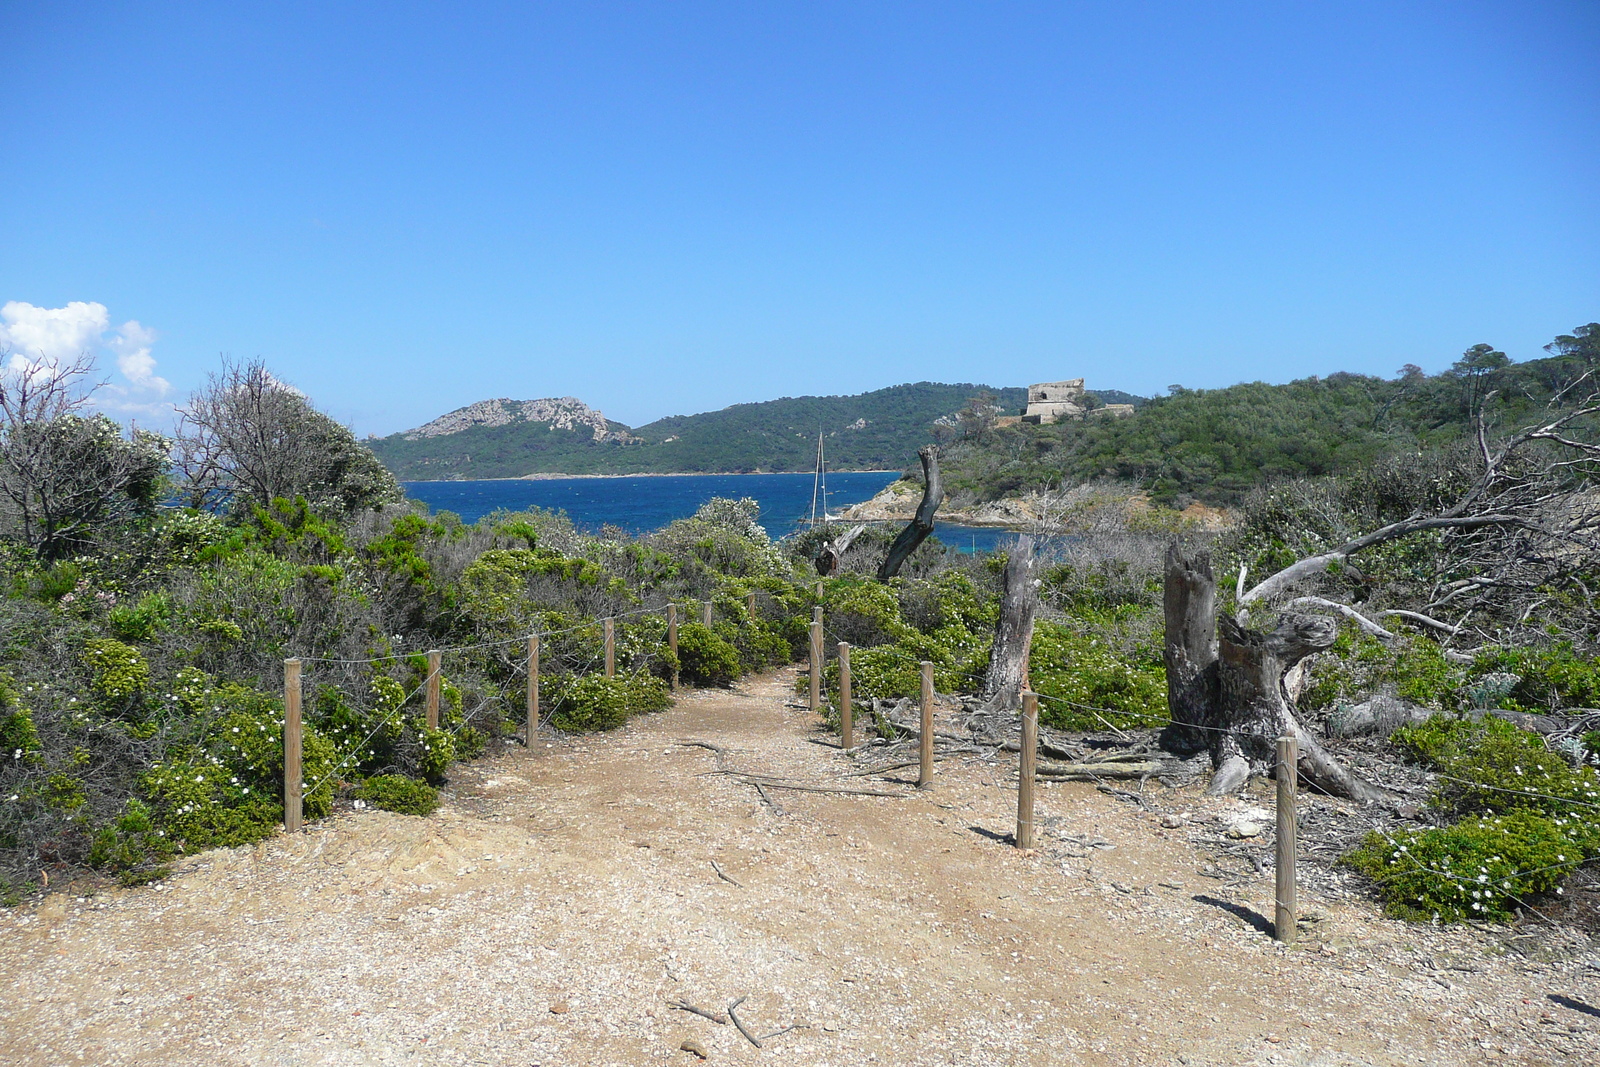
(1215, 444)
(876, 430)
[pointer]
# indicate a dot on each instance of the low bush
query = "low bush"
(1530, 822)
(1088, 681)
(132, 848)
(397, 793)
(704, 657)
(1492, 766)
(1480, 868)
(595, 702)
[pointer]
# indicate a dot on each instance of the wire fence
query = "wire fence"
(539, 716)
(1479, 885)
(401, 710)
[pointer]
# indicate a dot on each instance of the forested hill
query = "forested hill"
(876, 430)
(1213, 445)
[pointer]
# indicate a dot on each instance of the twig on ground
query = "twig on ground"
(773, 804)
(802, 787)
(684, 1005)
(752, 1038)
(723, 874)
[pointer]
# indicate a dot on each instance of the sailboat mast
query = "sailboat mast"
(822, 467)
(816, 482)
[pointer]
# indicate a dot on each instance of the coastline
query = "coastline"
(545, 476)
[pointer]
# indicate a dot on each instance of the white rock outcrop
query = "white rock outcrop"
(562, 413)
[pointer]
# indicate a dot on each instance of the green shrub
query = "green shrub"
(226, 790)
(704, 658)
(131, 847)
(118, 671)
(19, 737)
(1545, 679)
(142, 620)
(1477, 869)
(394, 792)
(1492, 766)
(1076, 667)
(595, 702)
(437, 750)
(1532, 821)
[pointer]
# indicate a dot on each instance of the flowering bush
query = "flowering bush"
(1536, 823)
(397, 793)
(1480, 868)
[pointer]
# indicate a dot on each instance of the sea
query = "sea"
(642, 503)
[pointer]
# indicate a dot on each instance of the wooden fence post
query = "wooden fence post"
(847, 711)
(750, 607)
(1288, 772)
(533, 687)
(432, 700)
(672, 640)
(291, 745)
(925, 749)
(1027, 768)
(611, 648)
(705, 614)
(816, 661)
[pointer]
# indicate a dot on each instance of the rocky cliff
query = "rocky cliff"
(562, 413)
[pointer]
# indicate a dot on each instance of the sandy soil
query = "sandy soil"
(562, 899)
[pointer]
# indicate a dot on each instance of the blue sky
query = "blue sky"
(668, 208)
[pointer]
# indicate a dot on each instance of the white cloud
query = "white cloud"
(37, 337)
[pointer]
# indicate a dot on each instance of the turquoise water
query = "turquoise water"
(644, 503)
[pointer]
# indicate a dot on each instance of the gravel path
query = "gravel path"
(560, 900)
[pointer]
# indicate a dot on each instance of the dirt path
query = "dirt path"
(562, 898)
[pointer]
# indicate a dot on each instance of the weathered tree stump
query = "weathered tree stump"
(1226, 692)
(1189, 604)
(1013, 634)
(832, 552)
(921, 524)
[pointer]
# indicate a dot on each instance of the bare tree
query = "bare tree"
(248, 438)
(1013, 634)
(64, 474)
(1526, 521)
(921, 525)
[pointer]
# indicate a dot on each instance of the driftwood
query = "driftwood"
(1143, 768)
(921, 524)
(1013, 634)
(831, 552)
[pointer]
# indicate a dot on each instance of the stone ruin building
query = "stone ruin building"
(1050, 402)
(1053, 401)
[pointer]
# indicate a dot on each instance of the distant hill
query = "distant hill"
(510, 438)
(1215, 445)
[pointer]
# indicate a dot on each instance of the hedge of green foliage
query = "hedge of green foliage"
(705, 657)
(397, 793)
(595, 702)
(1530, 819)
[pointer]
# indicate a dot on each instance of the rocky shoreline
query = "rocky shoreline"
(898, 502)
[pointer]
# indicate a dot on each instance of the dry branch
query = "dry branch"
(684, 1005)
(732, 1015)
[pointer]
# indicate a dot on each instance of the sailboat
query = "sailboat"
(819, 488)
